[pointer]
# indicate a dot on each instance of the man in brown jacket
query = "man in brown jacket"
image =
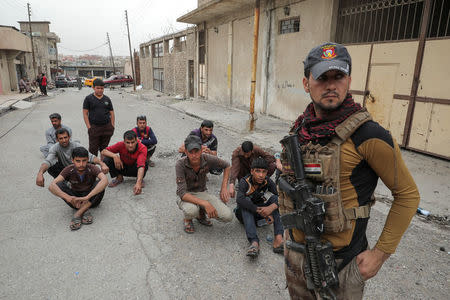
(242, 159)
(194, 201)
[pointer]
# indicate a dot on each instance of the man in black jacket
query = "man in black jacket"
(257, 199)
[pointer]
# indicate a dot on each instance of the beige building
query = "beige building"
(45, 46)
(13, 61)
(167, 63)
(400, 66)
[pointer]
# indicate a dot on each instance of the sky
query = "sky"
(82, 24)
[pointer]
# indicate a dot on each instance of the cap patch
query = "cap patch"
(328, 52)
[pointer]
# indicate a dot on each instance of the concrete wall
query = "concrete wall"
(174, 61)
(5, 87)
(286, 97)
(201, 2)
(44, 46)
(42, 27)
(217, 41)
(11, 39)
(13, 49)
(279, 73)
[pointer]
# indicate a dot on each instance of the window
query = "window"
(170, 46)
(157, 50)
(201, 47)
(368, 21)
(290, 25)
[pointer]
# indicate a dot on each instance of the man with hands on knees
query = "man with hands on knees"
(127, 158)
(60, 156)
(194, 201)
(84, 191)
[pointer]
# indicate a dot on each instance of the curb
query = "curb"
(9, 105)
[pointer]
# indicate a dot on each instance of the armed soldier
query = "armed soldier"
(331, 164)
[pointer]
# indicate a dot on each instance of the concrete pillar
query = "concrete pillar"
(12, 75)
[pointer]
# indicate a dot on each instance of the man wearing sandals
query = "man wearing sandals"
(60, 156)
(127, 158)
(85, 191)
(191, 172)
(257, 199)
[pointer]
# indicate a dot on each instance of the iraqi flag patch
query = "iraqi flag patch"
(313, 168)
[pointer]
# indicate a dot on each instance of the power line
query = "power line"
(87, 50)
(131, 55)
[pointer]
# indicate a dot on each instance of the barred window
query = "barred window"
(290, 25)
(365, 21)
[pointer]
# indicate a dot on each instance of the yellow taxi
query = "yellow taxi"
(89, 81)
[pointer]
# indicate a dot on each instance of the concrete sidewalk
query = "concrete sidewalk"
(432, 175)
(7, 101)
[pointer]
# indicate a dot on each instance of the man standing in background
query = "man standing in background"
(98, 114)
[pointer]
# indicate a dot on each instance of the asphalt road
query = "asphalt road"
(136, 248)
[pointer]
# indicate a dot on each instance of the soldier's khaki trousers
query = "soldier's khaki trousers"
(351, 283)
(192, 211)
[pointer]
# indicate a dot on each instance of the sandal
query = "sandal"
(203, 218)
(204, 221)
(189, 226)
(253, 251)
(87, 218)
(114, 183)
(279, 249)
(75, 223)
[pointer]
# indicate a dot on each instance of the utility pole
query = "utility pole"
(254, 64)
(31, 37)
(110, 53)
(131, 54)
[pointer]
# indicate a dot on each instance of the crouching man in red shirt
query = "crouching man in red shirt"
(127, 158)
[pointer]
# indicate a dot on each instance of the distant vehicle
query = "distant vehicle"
(121, 80)
(89, 81)
(72, 82)
(61, 82)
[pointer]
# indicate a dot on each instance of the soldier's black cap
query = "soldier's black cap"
(328, 56)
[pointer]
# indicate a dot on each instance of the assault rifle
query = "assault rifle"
(320, 268)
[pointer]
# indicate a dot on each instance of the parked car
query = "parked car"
(89, 81)
(121, 80)
(61, 82)
(72, 82)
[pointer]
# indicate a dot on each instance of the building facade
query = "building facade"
(167, 63)
(45, 46)
(14, 63)
(397, 48)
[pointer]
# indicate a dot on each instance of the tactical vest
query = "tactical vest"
(322, 169)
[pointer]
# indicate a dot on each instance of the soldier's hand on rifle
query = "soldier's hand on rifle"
(370, 261)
